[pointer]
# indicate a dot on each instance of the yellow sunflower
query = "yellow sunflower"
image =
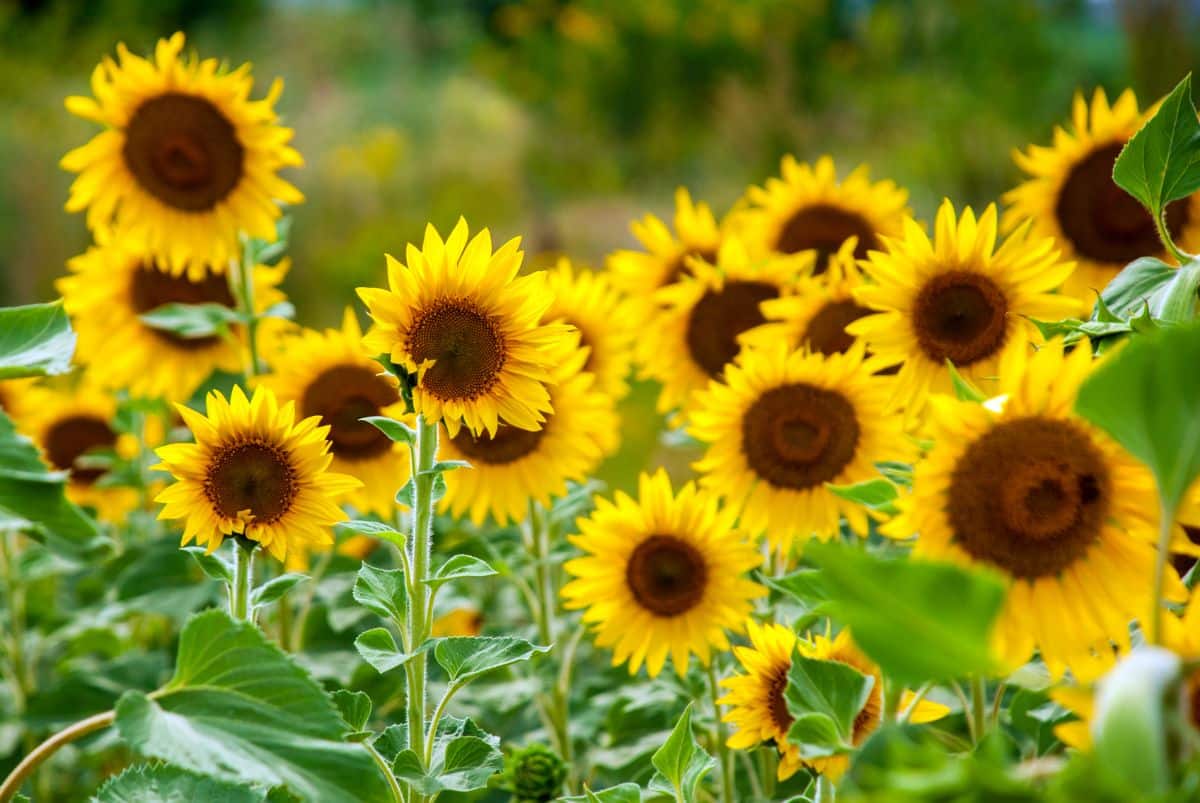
(515, 466)
(665, 260)
(254, 471)
(1070, 196)
(782, 425)
(11, 393)
(587, 300)
(663, 575)
(458, 318)
(187, 160)
(110, 286)
(957, 298)
(809, 209)
(694, 333)
(1024, 486)
(461, 621)
(68, 423)
(330, 375)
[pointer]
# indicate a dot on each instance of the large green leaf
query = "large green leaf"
(1146, 397)
(919, 620)
(239, 709)
(624, 793)
(35, 340)
(824, 697)
(681, 761)
(467, 657)
(382, 591)
(1132, 289)
(1161, 162)
(162, 783)
(464, 758)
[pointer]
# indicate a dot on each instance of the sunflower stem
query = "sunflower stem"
(826, 793)
(725, 756)
(241, 280)
(243, 572)
(1164, 234)
(381, 762)
(16, 779)
(979, 707)
(1166, 516)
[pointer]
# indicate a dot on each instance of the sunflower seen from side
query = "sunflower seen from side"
(662, 576)
(588, 301)
(1023, 486)
(186, 161)
(1070, 195)
(459, 319)
(253, 471)
(957, 298)
(782, 425)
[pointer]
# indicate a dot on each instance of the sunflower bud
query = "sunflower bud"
(534, 774)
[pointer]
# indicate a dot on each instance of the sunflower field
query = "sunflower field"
(815, 499)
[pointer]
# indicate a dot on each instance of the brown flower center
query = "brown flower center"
(799, 436)
(781, 718)
(666, 575)
(826, 332)
(508, 445)
(960, 316)
(183, 151)
(679, 268)
(1102, 221)
(825, 228)
(1029, 497)
(151, 288)
(342, 395)
(71, 438)
(719, 317)
(252, 476)
(466, 348)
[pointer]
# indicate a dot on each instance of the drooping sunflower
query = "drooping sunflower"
(693, 335)
(516, 466)
(1070, 195)
(759, 712)
(662, 575)
(957, 298)
(186, 161)
(587, 300)
(1024, 486)
(111, 285)
(782, 425)
(809, 209)
(330, 375)
(458, 317)
(254, 471)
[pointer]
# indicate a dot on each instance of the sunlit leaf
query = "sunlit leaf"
(35, 340)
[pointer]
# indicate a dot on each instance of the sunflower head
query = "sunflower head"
(588, 301)
(662, 575)
(459, 320)
(255, 471)
(186, 160)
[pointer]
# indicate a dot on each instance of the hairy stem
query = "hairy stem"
(393, 785)
(979, 706)
(12, 784)
(239, 592)
(724, 754)
(424, 455)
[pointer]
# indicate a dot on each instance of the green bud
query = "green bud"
(534, 774)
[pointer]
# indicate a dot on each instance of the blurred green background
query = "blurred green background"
(561, 120)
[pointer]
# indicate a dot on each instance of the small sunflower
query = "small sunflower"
(254, 471)
(1070, 195)
(515, 466)
(694, 333)
(587, 300)
(782, 425)
(663, 575)
(1022, 485)
(186, 161)
(461, 621)
(330, 375)
(809, 209)
(459, 319)
(110, 286)
(957, 298)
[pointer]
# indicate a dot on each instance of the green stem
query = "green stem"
(979, 706)
(724, 754)
(826, 793)
(16, 779)
(298, 632)
(239, 592)
(892, 692)
(451, 690)
(14, 594)
(381, 762)
(1165, 235)
(1166, 518)
(241, 280)
(424, 456)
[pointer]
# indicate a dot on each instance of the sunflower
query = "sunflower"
(587, 300)
(186, 161)
(12, 391)
(1068, 519)
(329, 375)
(69, 424)
(516, 466)
(254, 471)
(110, 286)
(666, 258)
(958, 298)
(460, 621)
(1070, 196)
(694, 333)
(809, 209)
(662, 575)
(782, 425)
(459, 319)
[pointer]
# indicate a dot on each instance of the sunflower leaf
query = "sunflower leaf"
(442, 466)
(397, 431)
(35, 340)
(274, 589)
(375, 529)
(878, 494)
(681, 761)
(1161, 162)
(382, 591)
(464, 759)
(1175, 301)
(355, 708)
(467, 657)
(457, 567)
(211, 563)
(824, 698)
(963, 389)
(622, 793)
(159, 782)
(192, 321)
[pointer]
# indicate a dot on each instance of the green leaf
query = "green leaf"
(878, 494)
(1175, 301)
(464, 759)
(442, 466)
(355, 707)
(824, 697)
(162, 783)
(375, 529)
(240, 710)
(1135, 285)
(1146, 397)
(625, 793)
(919, 620)
(458, 567)
(467, 657)
(1161, 162)
(404, 496)
(963, 388)
(378, 648)
(397, 431)
(192, 320)
(274, 589)
(382, 591)
(35, 340)
(211, 564)
(681, 760)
